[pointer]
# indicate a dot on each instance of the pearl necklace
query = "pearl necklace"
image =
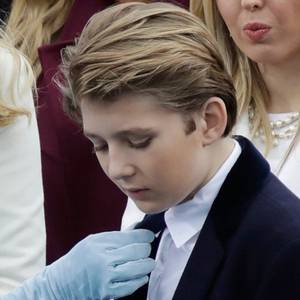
(280, 129)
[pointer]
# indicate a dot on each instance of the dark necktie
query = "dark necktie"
(155, 223)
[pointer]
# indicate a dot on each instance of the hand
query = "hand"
(106, 265)
(102, 266)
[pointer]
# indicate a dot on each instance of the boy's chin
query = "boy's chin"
(150, 209)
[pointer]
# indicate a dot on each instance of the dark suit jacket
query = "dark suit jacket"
(249, 246)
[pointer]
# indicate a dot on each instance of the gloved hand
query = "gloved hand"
(102, 266)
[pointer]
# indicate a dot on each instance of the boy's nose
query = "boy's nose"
(118, 168)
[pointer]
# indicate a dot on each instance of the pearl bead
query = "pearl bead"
(292, 128)
(280, 129)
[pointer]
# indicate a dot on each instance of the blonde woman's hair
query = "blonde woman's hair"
(249, 84)
(9, 104)
(34, 23)
(157, 49)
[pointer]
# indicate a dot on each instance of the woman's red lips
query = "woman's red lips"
(256, 31)
(256, 26)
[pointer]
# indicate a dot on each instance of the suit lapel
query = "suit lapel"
(202, 267)
(236, 194)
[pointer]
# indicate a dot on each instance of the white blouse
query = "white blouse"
(288, 173)
(22, 225)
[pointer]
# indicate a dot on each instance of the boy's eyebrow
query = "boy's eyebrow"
(134, 131)
(122, 133)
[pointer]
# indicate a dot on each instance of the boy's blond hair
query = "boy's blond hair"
(158, 49)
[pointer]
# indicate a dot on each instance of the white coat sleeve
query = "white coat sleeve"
(22, 225)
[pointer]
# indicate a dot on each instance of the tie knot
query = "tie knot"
(155, 222)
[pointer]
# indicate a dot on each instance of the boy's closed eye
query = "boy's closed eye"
(140, 143)
(136, 143)
(100, 148)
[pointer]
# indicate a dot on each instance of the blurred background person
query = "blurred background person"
(22, 234)
(260, 43)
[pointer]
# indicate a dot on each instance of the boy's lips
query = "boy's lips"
(256, 31)
(133, 192)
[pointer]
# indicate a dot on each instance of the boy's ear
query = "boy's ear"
(213, 120)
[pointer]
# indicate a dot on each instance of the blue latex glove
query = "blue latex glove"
(102, 266)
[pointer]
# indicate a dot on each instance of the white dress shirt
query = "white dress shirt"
(22, 225)
(184, 223)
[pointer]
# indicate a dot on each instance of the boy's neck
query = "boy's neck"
(220, 151)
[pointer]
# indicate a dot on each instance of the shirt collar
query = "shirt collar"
(186, 220)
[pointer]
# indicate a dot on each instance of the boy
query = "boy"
(152, 93)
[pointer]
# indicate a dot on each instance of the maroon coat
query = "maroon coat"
(79, 199)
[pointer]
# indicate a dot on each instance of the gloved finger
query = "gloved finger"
(121, 238)
(129, 253)
(126, 288)
(132, 270)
